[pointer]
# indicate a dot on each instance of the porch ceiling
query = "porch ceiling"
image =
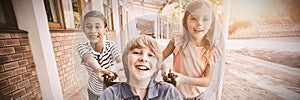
(153, 6)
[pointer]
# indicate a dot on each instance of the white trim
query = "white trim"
(31, 17)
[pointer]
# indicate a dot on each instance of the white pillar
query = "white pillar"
(31, 17)
(98, 5)
(155, 26)
(124, 29)
(225, 27)
(68, 14)
(116, 17)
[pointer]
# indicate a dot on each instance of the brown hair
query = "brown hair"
(96, 14)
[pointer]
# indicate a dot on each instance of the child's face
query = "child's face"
(141, 64)
(199, 22)
(94, 29)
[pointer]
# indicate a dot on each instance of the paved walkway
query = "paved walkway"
(245, 77)
(251, 78)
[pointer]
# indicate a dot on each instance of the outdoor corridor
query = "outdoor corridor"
(248, 73)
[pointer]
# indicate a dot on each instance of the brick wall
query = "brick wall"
(63, 41)
(18, 76)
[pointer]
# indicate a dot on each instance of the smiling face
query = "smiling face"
(94, 29)
(141, 59)
(199, 22)
(141, 64)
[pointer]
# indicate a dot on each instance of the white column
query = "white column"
(155, 26)
(68, 13)
(98, 5)
(134, 31)
(124, 29)
(225, 27)
(116, 17)
(31, 17)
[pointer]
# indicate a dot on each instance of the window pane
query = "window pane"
(48, 10)
(7, 16)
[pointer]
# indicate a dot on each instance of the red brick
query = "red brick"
(37, 85)
(5, 36)
(6, 75)
(19, 49)
(23, 84)
(24, 41)
(8, 50)
(9, 89)
(33, 73)
(17, 56)
(15, 35)
(12, 42)
(27, 48)
(59, 38)
(29, 87)
(56, 44)
(2, 43)
(3, 84)
(20, 70)
(11, 65)
(34, 98)
(19, 93)
(7, 97)
(18, 98)
(53, 39)
(26, 75)
(23, 62)
(30, 67)
(30, 60)
(15, 79)
(24, 35)
(27, 95)
(1, 68)
(27, 54)
(4, 59)
(33, 79)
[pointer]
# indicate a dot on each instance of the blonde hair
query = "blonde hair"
(143, 41)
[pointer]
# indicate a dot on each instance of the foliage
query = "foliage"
(173, 8)
(237, 24)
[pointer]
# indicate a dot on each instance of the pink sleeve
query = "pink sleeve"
(177, 39)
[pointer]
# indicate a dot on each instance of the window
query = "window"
(7, 16)
(108, 13)
(78, 10)
(52, 9)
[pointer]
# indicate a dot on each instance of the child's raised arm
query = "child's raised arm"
(168, 50)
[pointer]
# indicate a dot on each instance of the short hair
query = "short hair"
(96, 14)
(146, 42)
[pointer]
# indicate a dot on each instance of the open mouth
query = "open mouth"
(93, 36)
(198, 30)
(143, 68)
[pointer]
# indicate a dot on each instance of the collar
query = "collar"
(95, 52)
(152, 91)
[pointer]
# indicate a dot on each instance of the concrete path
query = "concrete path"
(251, 78)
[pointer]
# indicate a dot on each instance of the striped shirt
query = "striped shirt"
(105, 59)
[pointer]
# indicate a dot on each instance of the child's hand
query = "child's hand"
(112, 75)
(165, 71)
(102, 72)
(165, 75)
(177, 77)
(101, 79)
